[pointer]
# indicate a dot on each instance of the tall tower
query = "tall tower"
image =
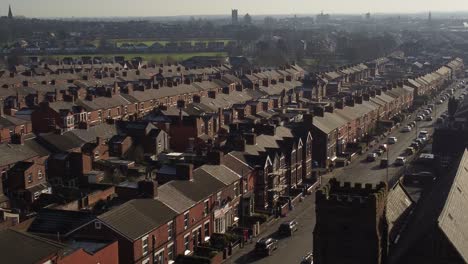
(10, 14)
(235, 16)
(351, 226)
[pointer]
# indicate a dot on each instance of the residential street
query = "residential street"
(292, 249)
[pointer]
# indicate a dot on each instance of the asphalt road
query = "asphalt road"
(292, 249)
(370, 172)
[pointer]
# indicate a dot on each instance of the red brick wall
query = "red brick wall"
(106, 255)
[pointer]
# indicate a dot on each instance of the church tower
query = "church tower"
(10, 14)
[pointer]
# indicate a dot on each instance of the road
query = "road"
(292, 249)
(370, 172)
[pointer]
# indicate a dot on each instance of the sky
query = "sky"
(135, 8)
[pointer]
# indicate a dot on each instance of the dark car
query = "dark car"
(383, 163)
(308, 259)
(288, 228)
(266, 246)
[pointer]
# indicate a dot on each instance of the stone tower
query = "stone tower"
(10, 14)
(351, 225)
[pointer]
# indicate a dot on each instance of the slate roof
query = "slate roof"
(53, 222)
(201, 187)
(174, 199)
(222, 173)
(443, 208)
(138, 217)
(453, 220)
(13, 153)
(399, 204)
(22, 248)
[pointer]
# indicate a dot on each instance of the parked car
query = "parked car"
(439, 102)
(383, 147)
(288, 228)
(419, 118)
(266, 246)
(379, 152)
(415, 145)
(409, 151)
(372, 157)
(423, 133)
(406, 129)
(428, 118)
(384, 163)
(400, 161)
(392, 140)
(308, 259)
(412, 124)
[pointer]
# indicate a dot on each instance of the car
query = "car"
(266, 246)
(439, 102)
(419, 118)
(379, 152)
(409, 151)
(415, 145)
(288, 228)
(423, 133)
(439, 120)
(384, 163)
(383, 147)
(308, 258)
(372, 157)
(412, 124)
(400, 161)
(405, 129)
(428, 118)
(420, 141)
(392, 140)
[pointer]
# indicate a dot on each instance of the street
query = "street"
(292, 249)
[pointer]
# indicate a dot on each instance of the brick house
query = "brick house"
(27, 181)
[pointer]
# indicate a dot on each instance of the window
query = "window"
(207, 229)
(97, 225)
(236, 189)
(186, 220)
(207, 208)
(39, 174)
(109, 113)
(159, 257)
(96, 154)
(146, 261)
(170, 230)
(187, 242)
(36, 195)
(144, 245)
(218, 198)
(30, 179)
(170, 252)
(125, 109)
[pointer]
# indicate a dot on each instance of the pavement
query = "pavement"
(292, 249)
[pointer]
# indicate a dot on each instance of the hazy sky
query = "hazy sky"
(101, 8)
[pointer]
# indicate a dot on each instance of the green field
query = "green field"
(158, 57)
(150, 42)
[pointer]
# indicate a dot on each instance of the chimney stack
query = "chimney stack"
(184, 171)
(148, 188)
(215, 157)
(250, 138)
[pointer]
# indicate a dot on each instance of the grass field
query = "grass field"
(158, 57)
(150, 42)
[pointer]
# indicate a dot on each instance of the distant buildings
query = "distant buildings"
(235, 16)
